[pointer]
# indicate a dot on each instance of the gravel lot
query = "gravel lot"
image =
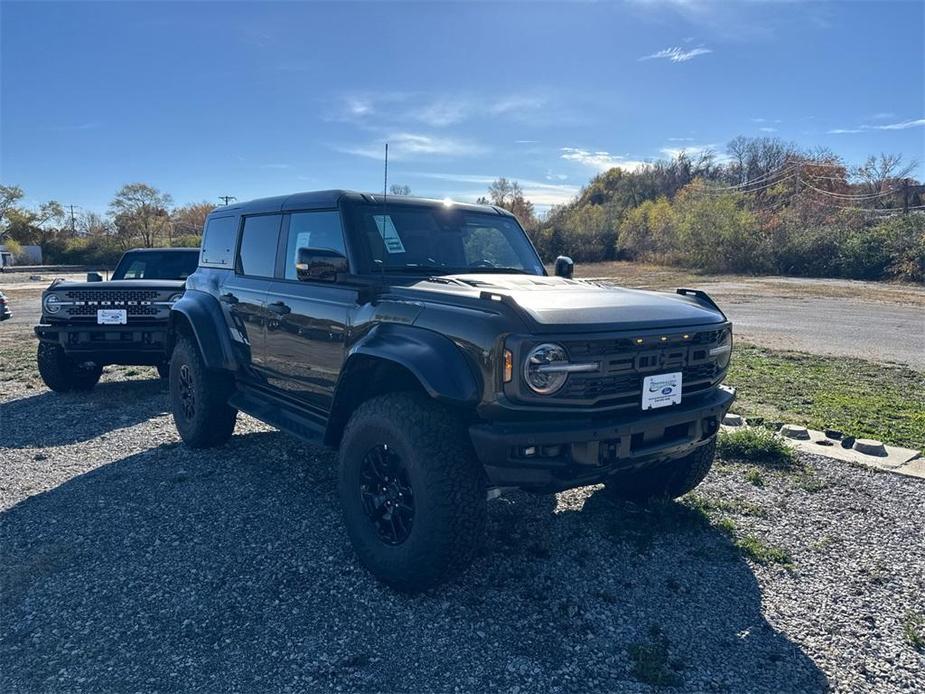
(130, 563)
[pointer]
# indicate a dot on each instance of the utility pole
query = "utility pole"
(905, 196)
(226, 199)
(73, 228)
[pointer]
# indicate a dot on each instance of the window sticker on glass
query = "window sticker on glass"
(389, 234)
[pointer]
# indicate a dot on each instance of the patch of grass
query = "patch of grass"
(914, 630)
(651, 662)
(758, 551)
(754, 477)
(754, 445)
(858, 397)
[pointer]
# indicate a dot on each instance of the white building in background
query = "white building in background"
(31, 255)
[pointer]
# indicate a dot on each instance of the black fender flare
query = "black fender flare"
(204, 315)
(434, 359)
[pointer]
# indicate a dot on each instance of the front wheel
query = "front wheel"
(199, 398)
(667, 480)
(412, 491)
(61, 373)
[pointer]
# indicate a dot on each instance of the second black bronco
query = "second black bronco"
(88, 325)
(425, 341)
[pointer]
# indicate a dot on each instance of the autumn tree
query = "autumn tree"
(140, 212)
(509, 196)
(190, 219)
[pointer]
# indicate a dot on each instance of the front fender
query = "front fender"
(435, 360)
(207, 322)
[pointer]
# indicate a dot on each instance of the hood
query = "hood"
(559, 302)
(120, 284)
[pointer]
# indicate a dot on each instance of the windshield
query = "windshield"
(157, 265)
(443, 240)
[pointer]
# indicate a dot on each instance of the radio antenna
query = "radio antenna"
(385, 182)
(385, 207)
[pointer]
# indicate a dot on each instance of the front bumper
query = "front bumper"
(547, 455)
(139, 344)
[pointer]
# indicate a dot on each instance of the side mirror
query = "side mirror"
(319, 265)
(94, 277)
(565, 267)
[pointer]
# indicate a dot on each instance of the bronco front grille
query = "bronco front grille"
(136, 302)
(624, 364)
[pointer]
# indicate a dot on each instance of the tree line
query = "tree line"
(138, 215)
(767, 207)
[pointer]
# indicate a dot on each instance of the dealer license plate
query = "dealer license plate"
(111, 316)
(661, 390)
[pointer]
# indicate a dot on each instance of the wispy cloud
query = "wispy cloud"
(677, 54)
(405, 146)
(537, 192)
(767, 129)
(902, 125)
(601, 161)
(689, 150)
(680, 139)
(276, 166)
(434, 111)
(883, 115)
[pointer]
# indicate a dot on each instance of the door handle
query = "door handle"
(228, 298)
(279, 308)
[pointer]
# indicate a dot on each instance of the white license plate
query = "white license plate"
(661, 390)
(111, 316)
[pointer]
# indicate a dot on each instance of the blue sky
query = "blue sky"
(254, 99)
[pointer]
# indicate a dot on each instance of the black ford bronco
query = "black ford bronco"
(87, 325)
(426, 342)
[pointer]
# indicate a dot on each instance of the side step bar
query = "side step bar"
(279, 413)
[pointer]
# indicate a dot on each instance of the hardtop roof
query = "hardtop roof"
(322, 199)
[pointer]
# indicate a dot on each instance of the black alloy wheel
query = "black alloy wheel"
(386, 494)
(187, 393)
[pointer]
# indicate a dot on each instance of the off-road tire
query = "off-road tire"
(206, 420)
(163, 370)
(450, 510)
(667, 480)
(61, 373)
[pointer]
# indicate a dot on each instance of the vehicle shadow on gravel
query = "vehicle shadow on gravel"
(74, 417)
(229, 570)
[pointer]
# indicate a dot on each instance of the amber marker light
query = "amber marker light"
(508, 366)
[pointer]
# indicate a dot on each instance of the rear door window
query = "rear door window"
(259, 241)
(218, 241)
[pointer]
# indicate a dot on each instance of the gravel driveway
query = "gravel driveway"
(130, 563)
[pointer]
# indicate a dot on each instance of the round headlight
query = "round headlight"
(52, 303)
(540, 368)
(174, 298)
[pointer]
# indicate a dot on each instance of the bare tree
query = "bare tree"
(399, 189)
(190, 219)
(883, 173)
(509, 196)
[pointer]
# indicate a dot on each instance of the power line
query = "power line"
(226, 199)
(850, 196)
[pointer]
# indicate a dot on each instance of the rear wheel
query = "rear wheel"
(199, 398)
(412, 491)
(63, 374)
(667, 480)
